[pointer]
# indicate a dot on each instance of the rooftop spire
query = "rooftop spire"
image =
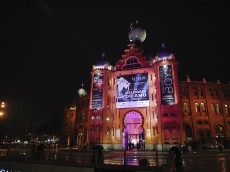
(163, 44)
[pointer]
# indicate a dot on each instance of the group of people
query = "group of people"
(37, 151)
(137, 146)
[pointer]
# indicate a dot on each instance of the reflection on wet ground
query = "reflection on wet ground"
(205, 161)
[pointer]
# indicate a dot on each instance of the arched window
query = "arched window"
(184, 92)
(93, 117)
(195, 92)
(224, 93)
(188, 133)
(210, 92)
(213, 108)
(207, 133)
(226, 108)
(205, 122)
(220, 130)
(201, 135)
(173, 115)
(197, 107)
(185, 107)
(201, 92)
(98, 117)
(199, 122)
(132, 62)
(165, 115)
(216, 94)
(203, 107)
(217, 108)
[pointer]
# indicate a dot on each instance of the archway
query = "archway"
(220, 134)
(133, 134)
(188, 134)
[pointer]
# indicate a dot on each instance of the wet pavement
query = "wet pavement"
(207, 161)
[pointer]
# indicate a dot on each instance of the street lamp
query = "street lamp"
(3, 105)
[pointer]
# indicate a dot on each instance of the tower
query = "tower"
(168, 100)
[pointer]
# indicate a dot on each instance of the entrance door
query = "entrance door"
(133, 131)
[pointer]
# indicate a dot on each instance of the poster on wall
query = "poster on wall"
(166, 85)
(97, 93)
(132, 91)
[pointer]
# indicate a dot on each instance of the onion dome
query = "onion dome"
(82, 91)
(102, 63)
(136, 33)
(164, 54)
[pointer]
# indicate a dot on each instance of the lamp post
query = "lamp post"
(2, 114)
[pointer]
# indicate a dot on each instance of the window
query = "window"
(210, 92)
(201, 134)
(220, 130)
(173, 115)
(225, 93)
(165, 115)
(203, 107)
(226, 108)
(184, 92)
(195, 92)
(216, 94)
(98, 117)
(197, 107)
(206, 122)
(201, 92)
(217, 108)
(199, 122)
(213, 108)
(132, 62)
(185, 107)
(207, 133)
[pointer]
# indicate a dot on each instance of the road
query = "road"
(208, 161)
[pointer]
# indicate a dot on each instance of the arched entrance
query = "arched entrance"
(188, 134)
(133, 134)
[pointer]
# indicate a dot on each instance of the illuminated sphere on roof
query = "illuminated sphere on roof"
(136, 33)
(81, 92)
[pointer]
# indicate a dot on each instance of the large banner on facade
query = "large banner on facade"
(97, 94)
(132, 91)
(166, 85)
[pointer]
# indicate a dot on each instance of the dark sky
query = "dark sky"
(48, 47)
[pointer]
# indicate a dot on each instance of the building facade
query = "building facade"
(141, 104)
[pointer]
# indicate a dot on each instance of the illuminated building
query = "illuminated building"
(141, 104)
(69, 124)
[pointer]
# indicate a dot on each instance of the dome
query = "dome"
(102, 63)
(81, 92)
(136, 33)
(163, 54)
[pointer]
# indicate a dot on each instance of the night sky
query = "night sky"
(48, 47)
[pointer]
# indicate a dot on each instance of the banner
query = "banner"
(132, 91)
(166, 85)
(97, 94)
